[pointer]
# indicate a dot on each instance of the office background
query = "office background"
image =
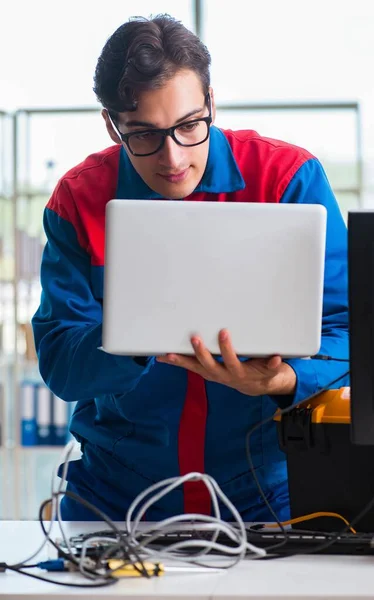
(293, 70)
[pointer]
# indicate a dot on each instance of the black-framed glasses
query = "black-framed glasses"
(149, 141)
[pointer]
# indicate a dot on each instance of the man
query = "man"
(144, 419)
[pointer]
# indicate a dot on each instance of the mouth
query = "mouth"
(175, 177)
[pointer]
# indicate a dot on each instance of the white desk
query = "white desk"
(299, 578)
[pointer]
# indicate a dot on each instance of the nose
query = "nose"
(171, 154)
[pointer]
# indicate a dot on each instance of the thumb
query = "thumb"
(274, 362)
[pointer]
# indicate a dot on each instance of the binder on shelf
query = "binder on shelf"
(44, 415)
(28, 415)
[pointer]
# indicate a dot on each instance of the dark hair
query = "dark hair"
(142, 54)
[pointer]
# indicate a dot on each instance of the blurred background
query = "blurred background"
(291, 70)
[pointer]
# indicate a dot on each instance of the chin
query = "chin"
(177, 192)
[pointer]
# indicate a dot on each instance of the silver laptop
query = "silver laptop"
(177, 268)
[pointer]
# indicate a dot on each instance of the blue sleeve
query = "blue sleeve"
(68, 323)
(310, 186)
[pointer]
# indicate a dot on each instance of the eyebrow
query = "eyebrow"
(193, 112)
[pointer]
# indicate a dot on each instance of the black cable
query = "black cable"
(346, 528)
(259, 528)
(18, 568)
(326, 357)
(108, 578)
(109, 581)
(250, 462)
(66, 555)
(125, 546)
(62, 553)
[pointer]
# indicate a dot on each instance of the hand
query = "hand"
(253, 377)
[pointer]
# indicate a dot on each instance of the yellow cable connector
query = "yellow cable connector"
(119, 569)
(313, 516)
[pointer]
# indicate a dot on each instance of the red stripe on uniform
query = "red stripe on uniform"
(191, 444)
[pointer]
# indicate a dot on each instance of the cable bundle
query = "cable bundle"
(136, 543)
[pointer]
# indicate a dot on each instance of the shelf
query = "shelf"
(38, 448)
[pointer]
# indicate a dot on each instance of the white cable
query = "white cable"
(81, 559)
(170, 484)
(208, 544)
(135, 534)
(65, 454)
(174, 482)
(86, 543)
(56, 494)
(214, 524)
(220, 525)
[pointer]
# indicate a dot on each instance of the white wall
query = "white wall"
(49, 49)
(263, 50)
(293, 50)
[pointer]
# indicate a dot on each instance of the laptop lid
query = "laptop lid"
(177, 268)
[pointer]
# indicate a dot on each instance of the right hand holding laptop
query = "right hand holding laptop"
(253, 377)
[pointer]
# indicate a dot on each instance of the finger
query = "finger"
(228, 353)
(205, 358)
(180, 360)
